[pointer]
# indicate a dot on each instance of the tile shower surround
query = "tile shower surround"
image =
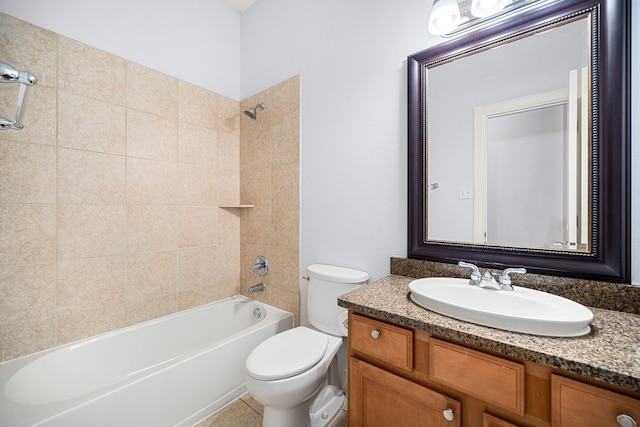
(109, 196)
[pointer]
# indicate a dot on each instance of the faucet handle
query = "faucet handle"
(505, 279)
(476, 276)
(261, 266)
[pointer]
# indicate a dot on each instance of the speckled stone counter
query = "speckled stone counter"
(610, 353)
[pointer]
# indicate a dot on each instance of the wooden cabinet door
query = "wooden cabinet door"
(577, 404)
(378, 398)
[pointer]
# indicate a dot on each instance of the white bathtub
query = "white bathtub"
(171, 371)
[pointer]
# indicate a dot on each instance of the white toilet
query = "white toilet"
(294, 374)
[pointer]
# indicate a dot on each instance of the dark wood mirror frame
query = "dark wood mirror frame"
(609, 257)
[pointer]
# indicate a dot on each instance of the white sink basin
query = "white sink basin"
(521, 310)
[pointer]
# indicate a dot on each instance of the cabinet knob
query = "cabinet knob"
(448, 414)
(375, 334)
(625, 420)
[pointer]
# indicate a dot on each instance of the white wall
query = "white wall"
(195, 40)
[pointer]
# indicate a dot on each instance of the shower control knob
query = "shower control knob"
(448, 414)
(625, 420)
(375, 334)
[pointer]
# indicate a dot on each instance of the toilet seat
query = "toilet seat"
(287, 354)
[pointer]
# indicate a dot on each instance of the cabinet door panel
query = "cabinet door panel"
(378, 398)
(574, 403)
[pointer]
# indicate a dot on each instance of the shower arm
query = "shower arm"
(9, 74)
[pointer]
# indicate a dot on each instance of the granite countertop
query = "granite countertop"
(610, 353)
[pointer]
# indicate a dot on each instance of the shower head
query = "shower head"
(252, 112)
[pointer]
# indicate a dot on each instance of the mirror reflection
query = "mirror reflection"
(509, 152)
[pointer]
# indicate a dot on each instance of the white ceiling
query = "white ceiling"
(239, 5)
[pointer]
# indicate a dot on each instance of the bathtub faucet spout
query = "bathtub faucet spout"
(256, 288)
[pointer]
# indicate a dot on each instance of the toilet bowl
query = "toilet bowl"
(295, 374)
(284, 374)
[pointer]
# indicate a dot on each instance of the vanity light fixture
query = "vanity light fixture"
(450, 18)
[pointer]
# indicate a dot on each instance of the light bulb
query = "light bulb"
(445, 17)
(482, 8)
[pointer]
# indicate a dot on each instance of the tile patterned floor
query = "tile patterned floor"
(246, 412)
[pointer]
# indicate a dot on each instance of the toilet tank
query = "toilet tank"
(326, 284)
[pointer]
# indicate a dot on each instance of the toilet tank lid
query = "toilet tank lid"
(337, 274)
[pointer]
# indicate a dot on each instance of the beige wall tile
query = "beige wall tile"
(228, 151)
(285, 184)
(151, 91)
(269, 179)
(197, 145)
(285, 273)
(150, 308)
(229, 116)
(197, 106)
(151, 182)
(86, 231)
(151, 274)
(255, 145)
(228, 187)
(89, 124)
(88, 71)
(29, 48)
(229, 267)
(190, 298)
(28, 234)
(256, 226)
(197, 267)
(90, 178)
(197, 185)
(27, 295)
(228, 226)
(255, 186)
(150, 136)
(90, 284)
(89, 323)
(197, 226)
(40, 114)
(151, 228)
(287, 301)
(285, 146)
(27, 338)
(27, 173)
(284, 226)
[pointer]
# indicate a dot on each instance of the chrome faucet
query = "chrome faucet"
(488, 280)
(256, 288)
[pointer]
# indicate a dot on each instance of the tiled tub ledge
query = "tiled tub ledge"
(610, 353)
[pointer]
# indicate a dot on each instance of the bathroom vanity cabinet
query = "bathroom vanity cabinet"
(400, 376)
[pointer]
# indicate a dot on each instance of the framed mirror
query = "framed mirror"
(519, 144)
